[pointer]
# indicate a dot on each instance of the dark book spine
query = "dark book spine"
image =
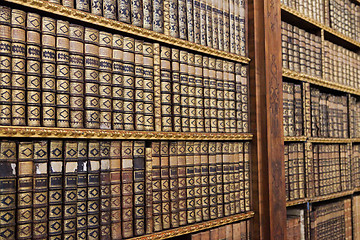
(129, 82)
(182, 19)
(93, 198)
(8, 188)
(82, 190)
(197, 182)
(226, 177)
(219, 179)
(174, 184)
(199, 94)
(204, 162)
(136, 12)
(213, 96)
(117, 83)
(206, 94)
(181, 154)
(109, 9)
(190, 194)
(165, 184)
(301, 170)
(56, 166)
(284, 45)
(70, 189)
(139, 85)
(147, 14)
(156, 187)
(105, 78)
(190, 20)
(247, 170)
(191, 92)
(18, 67)
(176, 89)
(298, 110)
(236, 163)
(184, 92)
(220, 96)
(149, 227)
(197, 19)
(115, 189)
(157, 88)
(291, 109)
(166, 108)
(124, 14)
(158, 16)
(33, 71)
(148, 86)
(105, 190)
(212, 181)
(139, 188)
(286, 160)
(91, 64)
(127, 188)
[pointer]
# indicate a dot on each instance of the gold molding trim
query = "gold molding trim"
(330, 140)
(127, 28)
(319, 25)
(355, 140)
(295, 139)
(45, 132)
(319, 82)
(296, 202)
(332, 196)
(195, 227)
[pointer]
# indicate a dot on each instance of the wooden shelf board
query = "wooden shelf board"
(355, 140)
(295, 139)
(319, 25)
(85, 17)
(332, 196)
(296, 202)
(319, 82)
(329, 140)
(46, 132)
(195, 227)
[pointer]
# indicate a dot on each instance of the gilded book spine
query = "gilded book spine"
(232, 26)
(236, 164)
(157, 87)
(165, 184)
(232, 155)
(204, 162)
(109, 9)
(82, 190)
(247, 170)
(139, 188)
(82, 5)
(5, 66)
(237, 27)
(139, 85)
(184, 92)
(33, 70)
(220, 95)
(227, 26)
(206, 96)
(156, 186)
(56, 163)
(62, 74)
(68, 3)
(70, 186)
(173, 18)
(105, 78)
(209, 23)
(215, 25)
(220, 8)
(136, 12)
(91, 64)
(241, 177)
(213, 96)
(115, 189)
(197, 19)
(96, 7)
(18, 67)
(176, 89)
(226, 73)
(147, 14)
(182, 182)
(129, 82)
(212, 181)
(242, 27)
(123, 7)
(203, 35)
(166, 108)
(166, 13)
(158, 16)
(93, 197)
(127, 188)
(190, 20)
(117, 82)
(105, 190)
(199, 94)
(149, 227)
(232, 97)
(76, 76)
(244, 98)
(219, 179)
(148, 86)
(226, 176)
(8, 158)
(191, 90)
(182, 19)
(197, 182)
(190, 196)
(174, 184)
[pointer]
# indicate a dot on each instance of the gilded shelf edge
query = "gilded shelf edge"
(195, 227)
(123, 27)
(295, 139)
(332, 196)
(296, 202)
(330, 140)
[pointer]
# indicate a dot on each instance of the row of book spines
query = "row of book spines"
(311, 8)
(340, 65)
(354, 117)
(216, 24)
(235, 231)
(301, 50)
(295, 171)
(329, 114)
(293, 109)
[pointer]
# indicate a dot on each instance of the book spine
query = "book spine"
(149, 227)
(105, 190)
(226, 177)
(190, 20)
(209, 23)
(197, 19)
(8, 189)
(82, 5)
(206, 94)
(139, 188)
(93, 197)
(33, 71)
(158, 16)
(96, 7)
(173, 15)
(105, 78)
(115, 189)
(181, 154)
(244, 98)
(213, 96)
(165, 184)
(232, 97)
(109, 9)
(287, 170)
(291, 109)
(212, 181)
(202, 16)
(220, 7)
(242, 26)
(176, 89)
(55, 188)
(232, 156)
(226, 73)
(296, 50)
(232, 27)
(147, 14)
(184, 92)
(157, 88)
(204, 162)
(174, 184)
(227, 26)
(242, 176)
(129, 82)
(18, 67)
(199, 94)
(165, 88)
(156, 187)
(238, 97)
(190, 194)
(219, 179)
(70, 187)
(91, 64)
(182, 19)
(69, 3)
(139, 86)
(237, 180)
(197, 182)
(127, 188)
(237, 27)
(148, 86)
(247, 170)
(301, 169)
(191, 92)
(124, 14)
(117, 82)
(82, 190)
(220, 95)
(215, 24)
(136, 8)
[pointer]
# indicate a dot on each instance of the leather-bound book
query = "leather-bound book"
(214, 234)
(56, 170)
(182, 19)
(115, 189)
(232, 98)
(82, 5)
(174, 184)
(197, 19)
(220, 8)
(232, 156)
(220, 179)
(206, 94)
(209, 23)
(229, 231)
(286, 161)
(238, 86)
(226, 17)
(226, 85)
(139, 85)
(301, 170)
(105, 190)
(184, 92)
(182, 182)
(205, 235)
(91, 65)
(197, 182)
(232, 26)
(82, 190)
(222, 232)
(109, 9)
(136, 8)
(149, 227)
(18, 67)
(203, 33)
(124, 14)
(166, 16)
(220, 95)
(166, 101)
(176, 89)
(105, 79)
(199, 94)
(247, 170)
(127, 188)
(8, 173)
(196, 236)
(244, 98)
(241, 176)
(190, 194)
(157, 88)
(33, 72)
(213, 96)
(204, 162)
(93, 197)
(238, 34)
(192, 93)
(147, 14)
(190, 20)
(117, 82)
(226, 177)
(212, 181)
(236, 164)
(165, 184)
(158, 16)
(148, 86)
(156, 186)
(139, 188)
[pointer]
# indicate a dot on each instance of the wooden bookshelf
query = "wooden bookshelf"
(331, 196)
(295, 139)
(195, 227)
(296, 202)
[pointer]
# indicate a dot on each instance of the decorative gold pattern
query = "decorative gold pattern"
(195, 227)
(330, 140)
(296, 202)
(46, 132)
(127, 28)
(319, 81)
(295, 139)
(319, 25)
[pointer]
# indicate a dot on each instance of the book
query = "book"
(191, 92)
(184, 92)
(136, 13)
(82, 190)
(204, 162)
(174, 184)
(147, 14)
(219, 179)
(199, 93)
(206, 95)
(166, 100)
(156, 186)
(149, 227)
(213, 181)
(124, 14)
(197, 182)
(158, 16)
(213, 96)
(82, 5)
(165, 185)
(139, 86)
(117, 82)
(190, 21)
(148, 86)
(197, 19)
(190, 182)
(109, 9)
(176, 89)
(182, 19)
(157, 88)
(105, 189)
(182, 181)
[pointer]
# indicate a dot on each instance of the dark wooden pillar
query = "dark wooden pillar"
(268, 175)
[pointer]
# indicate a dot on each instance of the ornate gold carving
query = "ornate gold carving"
(295, 139)
(332, 196)
(330, 140)
(127, 28)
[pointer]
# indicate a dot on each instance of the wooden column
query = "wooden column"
(268, 198)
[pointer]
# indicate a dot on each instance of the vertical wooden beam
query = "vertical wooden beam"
(269, 202)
